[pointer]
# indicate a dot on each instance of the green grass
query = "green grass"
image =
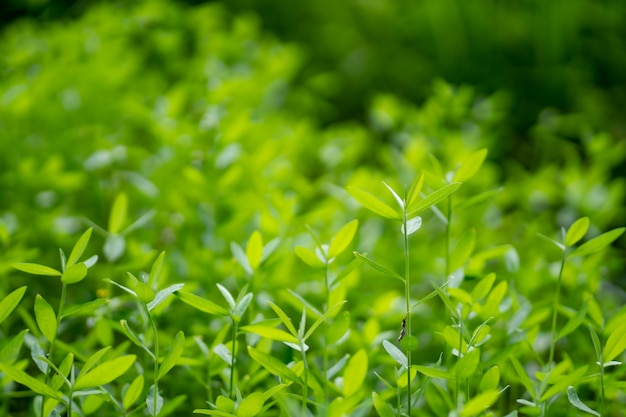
(221, 260)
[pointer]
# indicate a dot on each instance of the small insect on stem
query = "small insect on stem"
(402, 330)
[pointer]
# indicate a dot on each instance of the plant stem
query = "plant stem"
(305, 388)
(601, 385)
(52, 343)
(324, 329)
(448, 233)
(232, 360)
(407, 294)
(156, 363)
(555, 307)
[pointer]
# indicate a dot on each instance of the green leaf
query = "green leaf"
(227, 296)
(254, 250)
(414, 189)
(273, 365)
(308, 257)
(133, 338)
(399, 200)
(270, 333)
(133, 392)
(615, 344)
(432, 198)
(377, 266)
(105, 373)
(577, 231)
(372, 203)
(466, 366)
(563, 382)
(521, 373)
(251, 405)
(157, 267)
(93, 359)
(11, 349)
(117, 217)
(114, 246)
(572, 396)
(208, 412)
(84, 309)
(322, 318)
(573, 323)
(412, 225)
(490, 379)
(342, 239)
(478, 198)
(396, 354)
(36, 269)
(46, 319)
(241, 305)
(241, 258)
(463, 250)
(176, 351)
(163, 294)
(432, 372)
(34, 384)
(355, 372)
(480, 403)
(74, 273)
(150, 403)
(8, 303)
(382, 407)
(338, 328)
(79, 248)
(598, 243)
(284, 318)
(470, 165)
(202, 304)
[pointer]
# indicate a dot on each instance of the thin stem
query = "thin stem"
(407, 294)
(448, 233)
(232, 360)
(305, 388)
(555, 307)
(52, 343)
(325, 328)
(156, 363)
(601, 385)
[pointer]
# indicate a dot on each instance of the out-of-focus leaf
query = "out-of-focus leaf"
(598, 243)
(8, 303)
(432, 198)
(342, 239)
(117, 217)
(372, 203)
(37, 269)
(577, 231)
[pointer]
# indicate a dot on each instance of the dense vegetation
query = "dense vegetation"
(245, 230)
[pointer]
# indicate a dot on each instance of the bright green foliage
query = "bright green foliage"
(8, 303)
(46, 318)
(104, 373)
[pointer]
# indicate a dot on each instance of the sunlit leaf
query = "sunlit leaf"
(396, 354)
(309, 257)
(202, 304)
(432, 198)
(433, 372)
(227, 296)
(490, 379)
(284, 318)
(157, 267)
(30, 382)
(355, 373)
(46, 318)
(577, 231)
(11, 349)
(163, 294)
(615, 344)
(133, 392)
(251, 405)
(254, 250)
(412, 225)
(79, 248)
(74, 273)
(470, 166)
(117, 217)
(37, 269)
(273, 365)
(382, 407)
(105, 373)
(240, 257)
(479, 403)
(8, 303)
(383, 269)
(342, 239)
(414, 189)
(598, 243)
(573, 323)
(154, 401)
(372, 203)
(270, 333)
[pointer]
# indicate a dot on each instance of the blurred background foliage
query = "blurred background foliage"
(217, 119)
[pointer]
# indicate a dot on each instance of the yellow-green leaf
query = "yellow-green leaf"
(355, 372)
(382, 407)
(74, 273)
(117, 217)
(463, 250)
(480, 403)
(202, 304)
(432, 198)
(342, 239)
(273, 365)
(34, 384)
(45, 317)
(372, 203)
(490, 379)
(79, 248)
(615, 344)
(251, 405)
(174, 354)
(470, 165)
(577, 231)
(37, 269)
(133, 392)
(270, 333)
(598, 242)
(254, 250)
(8, 303)
(105, 373)
(414, 189)
(308, 257)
